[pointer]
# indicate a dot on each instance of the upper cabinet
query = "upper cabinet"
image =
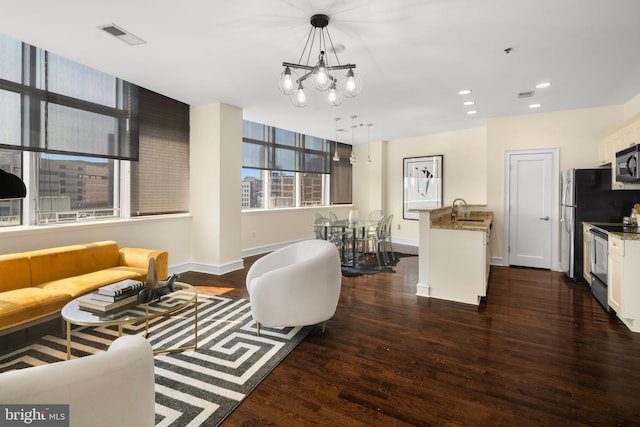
(626, 135)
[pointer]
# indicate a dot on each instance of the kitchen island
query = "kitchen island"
(454, 255)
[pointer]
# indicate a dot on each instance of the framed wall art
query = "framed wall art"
(422, 184)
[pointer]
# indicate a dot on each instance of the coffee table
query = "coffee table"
(183, 295)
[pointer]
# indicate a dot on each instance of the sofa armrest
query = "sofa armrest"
(139, 258)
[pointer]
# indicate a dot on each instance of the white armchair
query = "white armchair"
(297, 285)
(112, 388)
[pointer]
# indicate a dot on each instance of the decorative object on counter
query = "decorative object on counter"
(422, 184)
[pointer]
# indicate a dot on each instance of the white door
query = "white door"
(530, 209)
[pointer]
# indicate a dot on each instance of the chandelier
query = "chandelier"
(323, 73)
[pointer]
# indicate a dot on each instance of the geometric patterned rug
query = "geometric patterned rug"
(194, 387)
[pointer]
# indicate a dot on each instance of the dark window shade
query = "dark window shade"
(341, 177)
(270, 148)
(160, 179)
(68, 108)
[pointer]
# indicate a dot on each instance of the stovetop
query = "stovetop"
(620, 228)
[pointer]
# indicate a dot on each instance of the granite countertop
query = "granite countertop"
(470, 220)
(619, 235)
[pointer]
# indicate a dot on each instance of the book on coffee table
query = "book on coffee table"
(122, 287)
(113, 298)
(87, 302)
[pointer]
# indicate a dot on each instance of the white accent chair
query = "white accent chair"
(111, 388)
(297, 285)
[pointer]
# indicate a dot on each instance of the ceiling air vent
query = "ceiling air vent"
(122, 34)
(528, 94)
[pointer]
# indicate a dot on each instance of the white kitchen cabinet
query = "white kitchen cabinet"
(619, 138)
(623, 292)
(615, 267)
(586, 252)
(459, 265)
(605, 150)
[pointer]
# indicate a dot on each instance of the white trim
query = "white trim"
(405, 242)
(217, 270)
(268, 248)
(555, 208)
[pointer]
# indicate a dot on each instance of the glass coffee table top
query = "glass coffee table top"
(182, 296)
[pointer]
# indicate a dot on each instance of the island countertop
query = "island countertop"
(470, 220)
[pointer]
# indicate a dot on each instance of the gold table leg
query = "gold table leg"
(68, 340)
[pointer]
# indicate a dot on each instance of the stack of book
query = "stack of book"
(112, 298)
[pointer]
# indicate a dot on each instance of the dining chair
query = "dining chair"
(375, 215)
(390, 254)
(373, 242)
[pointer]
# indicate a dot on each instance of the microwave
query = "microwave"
(627, 164)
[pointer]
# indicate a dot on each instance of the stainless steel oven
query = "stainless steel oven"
(599, 265)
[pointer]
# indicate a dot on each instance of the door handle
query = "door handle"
(545, 218)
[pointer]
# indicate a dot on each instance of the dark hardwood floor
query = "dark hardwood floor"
(538, 351)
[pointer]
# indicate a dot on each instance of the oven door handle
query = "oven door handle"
(598, 233)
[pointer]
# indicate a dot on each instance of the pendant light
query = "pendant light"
(11, 186)
(352, 158)
(336, 156)
(369, 143)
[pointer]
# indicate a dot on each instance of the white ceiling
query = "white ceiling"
(413, 55)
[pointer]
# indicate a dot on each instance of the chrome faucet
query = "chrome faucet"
(454, 208)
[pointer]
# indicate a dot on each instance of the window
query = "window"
(283, 169)
(74, 125)
(11, 210)
(92, 195)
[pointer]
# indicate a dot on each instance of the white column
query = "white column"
(215, 188)
(422, 288)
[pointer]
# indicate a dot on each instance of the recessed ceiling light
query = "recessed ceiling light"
(472, 112)
(464, 92)
(469, 102)
(532, 106)
(543, 85)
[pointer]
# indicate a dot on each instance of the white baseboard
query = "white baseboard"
(268, 248)
(208, 268)
(405, 242)
(497, 260)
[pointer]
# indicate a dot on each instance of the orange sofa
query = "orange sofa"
(37, 284)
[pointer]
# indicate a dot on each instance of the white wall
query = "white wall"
(170, 233)
(263, 231)
(464, 173)
(575, 132)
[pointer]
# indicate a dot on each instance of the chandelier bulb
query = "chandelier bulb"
(300, 98)
(287, 80)
(334, 96)
(351, 82)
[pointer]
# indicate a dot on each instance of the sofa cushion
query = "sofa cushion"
(84, 283)
(22, 305)
(68, 261)
(15, 272)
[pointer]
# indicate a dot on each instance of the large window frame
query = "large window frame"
(286, 169)
(94, 118)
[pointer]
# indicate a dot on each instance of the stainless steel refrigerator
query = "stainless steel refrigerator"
(586, 195)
